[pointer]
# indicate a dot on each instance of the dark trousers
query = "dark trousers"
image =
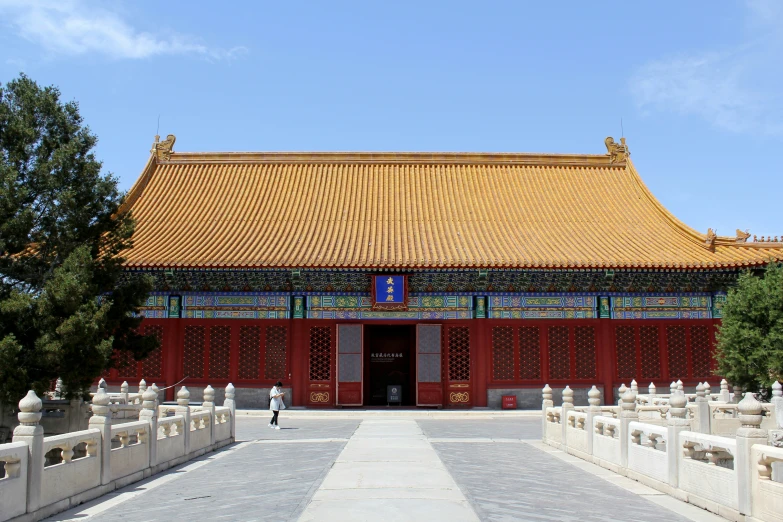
(274, 417)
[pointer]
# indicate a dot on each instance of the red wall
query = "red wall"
(599, 351)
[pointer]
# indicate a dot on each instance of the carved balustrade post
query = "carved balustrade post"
(737, 394)
(620, 392)
(672, 388)
(209, 405)
(676, 423)
(230, 402)
(142, 387)
(183, 408)
(725, 394)
(627, 415)
(546, 394)
(568, 405)
(680, 386)
(635, 387)
(749, 434)
(707, 391)
(149, 413)
(32, 434)
(702, 411)
(102, 384)
(652, 391)
(777, 402)
(101, 419)
(124, 391)
(593, 410)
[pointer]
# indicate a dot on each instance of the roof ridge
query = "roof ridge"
(469, 158)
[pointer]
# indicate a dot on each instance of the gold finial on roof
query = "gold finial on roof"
(163, 149)
(618, 152)
(742, 237)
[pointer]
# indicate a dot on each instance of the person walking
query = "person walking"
(276, 403)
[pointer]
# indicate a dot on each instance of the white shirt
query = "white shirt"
(275, 403)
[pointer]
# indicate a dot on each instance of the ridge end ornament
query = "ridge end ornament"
(709, 240)
(618, 152)
(163, 149)
(742, 237)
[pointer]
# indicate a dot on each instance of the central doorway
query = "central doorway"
(389, 359)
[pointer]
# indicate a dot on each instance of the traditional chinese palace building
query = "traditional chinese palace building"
(457, 277)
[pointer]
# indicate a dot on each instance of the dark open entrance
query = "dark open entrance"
(389, 359)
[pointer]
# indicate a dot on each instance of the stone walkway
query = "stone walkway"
(388, 468)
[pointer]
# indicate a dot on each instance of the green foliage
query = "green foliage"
(63, 308)
(750, 340)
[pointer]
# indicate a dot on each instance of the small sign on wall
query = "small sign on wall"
(390, 292)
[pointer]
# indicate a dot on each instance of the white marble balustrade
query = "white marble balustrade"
(85, 464)
(739, 476)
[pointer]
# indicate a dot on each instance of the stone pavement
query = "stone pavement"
(387, 468)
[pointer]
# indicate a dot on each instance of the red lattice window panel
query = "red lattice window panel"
(503, 353)
(127, 367)
(152, 365)
(584, 345)
(677, 349)
(701, 351)
(625, 346)
(249, 348)
(559, 353)
(275, 362)
(459, 353)
(193, 360)
(219, 351)
(529, 353)
(650, 346)
(320, 353)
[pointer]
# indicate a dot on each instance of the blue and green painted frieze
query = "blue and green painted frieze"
(360, 307)
(662, 307)
(543, 307)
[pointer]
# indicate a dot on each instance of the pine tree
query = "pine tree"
(64, 306)
(750, 340)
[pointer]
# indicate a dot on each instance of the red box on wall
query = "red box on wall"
(509, 402)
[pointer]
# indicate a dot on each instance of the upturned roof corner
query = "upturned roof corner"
(162, 149)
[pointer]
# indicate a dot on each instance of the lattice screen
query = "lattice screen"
(275, 360)
(700, 351)
(320, 353)
(651, 352)
(584, 344)
(529, 352)
(152, 365)
(502, 353)
(625, 345)
(127, 367)
(459, 353)
(219, 351)
(194, 351)
(559, 353)
(677, 349)
(249, 348)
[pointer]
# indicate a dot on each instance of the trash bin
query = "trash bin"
(509, 402)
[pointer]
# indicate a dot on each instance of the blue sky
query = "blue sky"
(698, 85)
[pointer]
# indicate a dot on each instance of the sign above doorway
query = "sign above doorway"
(390, 292)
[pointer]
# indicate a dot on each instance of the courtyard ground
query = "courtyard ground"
(449, 467)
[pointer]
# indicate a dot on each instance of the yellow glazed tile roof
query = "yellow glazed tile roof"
(412, 210)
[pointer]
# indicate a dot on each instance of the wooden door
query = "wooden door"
(429, 385)
(350, 364)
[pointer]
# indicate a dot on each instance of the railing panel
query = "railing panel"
(767, 484)
(133, 454)
(707, 468)
(606, 442)
(647, 447)
(13, 485)
(171, 443)
(576, 432)
(554, 430)
(71, 477)
(199, 430)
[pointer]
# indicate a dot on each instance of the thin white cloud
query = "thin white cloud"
(738, 90)
(73, 27)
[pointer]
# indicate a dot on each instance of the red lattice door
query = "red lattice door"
(429, 386)
(350, 388)
(319, 387)
(458, 366)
